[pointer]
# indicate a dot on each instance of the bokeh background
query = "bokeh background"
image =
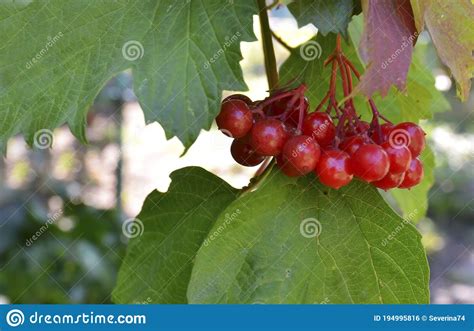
(62, 209)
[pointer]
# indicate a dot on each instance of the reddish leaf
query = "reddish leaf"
(386, 45)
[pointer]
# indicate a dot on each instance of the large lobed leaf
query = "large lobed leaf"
(289, 241)
(296, 241)
(158, 264)
(183, 54)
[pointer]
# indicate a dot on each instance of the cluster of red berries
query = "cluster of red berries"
(387, 157)
(336, 147)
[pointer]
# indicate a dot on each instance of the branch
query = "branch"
(267, 43)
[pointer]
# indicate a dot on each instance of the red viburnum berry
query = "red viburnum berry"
(351, 144)
(389, 181)
(400, 157)
(238, 96)
(334, 169)
(235, 118)
(299, 156)
(268, 137)
(413, 175)
(385, 130)
(244, 154)
(370, 163)
(410, 135)
(320, 126)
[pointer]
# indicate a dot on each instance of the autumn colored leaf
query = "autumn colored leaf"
(450, 26)
(386, 45)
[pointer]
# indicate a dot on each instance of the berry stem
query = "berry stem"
(271, 99)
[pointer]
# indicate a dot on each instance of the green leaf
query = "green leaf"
(327, 16)
(158, 264)
(414, 202)
(57, 54)
(305, 65)
(296, 241)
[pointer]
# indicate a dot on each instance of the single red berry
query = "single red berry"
(351, 144)
(385, 130)
(299, 156)
(243, 152)
(334, 168)
(319, 125)
(268, 137)
(400, 157)
(389, 181)
(410, 135)
(293, 111)
(235, 118)
(413, 175)
(370, 163)
(238, 96)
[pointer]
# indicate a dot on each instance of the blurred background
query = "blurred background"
(62, 209)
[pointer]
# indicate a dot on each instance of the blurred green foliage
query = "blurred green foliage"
(74, 259)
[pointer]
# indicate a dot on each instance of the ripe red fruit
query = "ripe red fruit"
(244, 154)
(268, 137)
(334, 168)
(238, 96)
(413, 175)
(299, 156)
(319, 125)
(235, 118)
(385, 130)
(410, 135)
(370, 163)
(293, 113)
(351, 144)
(400, 157)
(390, 181)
